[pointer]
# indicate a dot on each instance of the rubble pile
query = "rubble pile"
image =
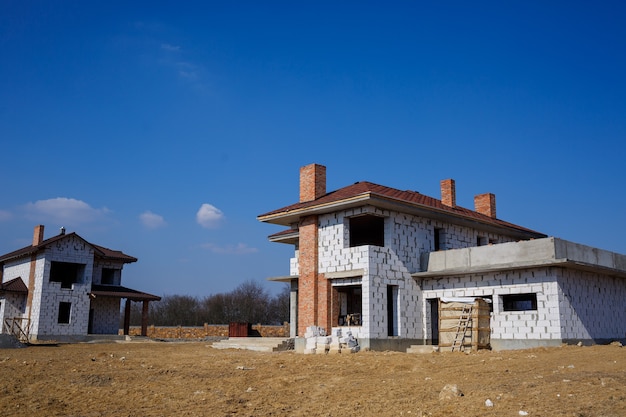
(318, 342)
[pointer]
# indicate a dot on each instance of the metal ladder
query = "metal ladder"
(461, 329)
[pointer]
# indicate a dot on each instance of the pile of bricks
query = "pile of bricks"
(319, 343)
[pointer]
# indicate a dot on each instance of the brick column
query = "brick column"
(37, 239)
(324, 303)
(312, 182)
(448, 193)
(307, 283)
(486, 204)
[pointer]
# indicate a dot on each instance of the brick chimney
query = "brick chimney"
(312, 182)
(38, 235)
(448, 193)
(486, 204)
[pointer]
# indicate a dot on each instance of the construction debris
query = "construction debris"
(317, 342)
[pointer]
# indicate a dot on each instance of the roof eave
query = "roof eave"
(292, 216)
(559, 263)
(287, 218)
(286, 278)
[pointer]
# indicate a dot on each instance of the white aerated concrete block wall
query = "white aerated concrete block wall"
(12, 306)
(543, 323)
(13, 269)
(106, 318)
(406, 237)
(591, 306)
(73, 250)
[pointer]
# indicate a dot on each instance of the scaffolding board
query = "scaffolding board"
(457, 332)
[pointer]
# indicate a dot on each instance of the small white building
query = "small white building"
(66, 289)
(379, 261)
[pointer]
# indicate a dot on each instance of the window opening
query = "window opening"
(367, 230)
(519, 302)
(66, 273)
(108, 276)
(433, 304)
(65, 310)
(440, 237)
(350, 302)
(392, 310)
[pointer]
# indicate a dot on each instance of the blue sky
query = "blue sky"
(164, 129)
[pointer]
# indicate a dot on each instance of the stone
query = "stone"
(449, 392)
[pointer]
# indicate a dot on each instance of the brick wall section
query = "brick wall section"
(486, 204)
(308, 268)
(208, 330)
(312, 182)
(448, 192)
(324, 303)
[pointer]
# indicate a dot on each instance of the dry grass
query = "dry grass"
(193, 379)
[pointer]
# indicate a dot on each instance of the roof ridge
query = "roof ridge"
(414, 198)
(27, 250)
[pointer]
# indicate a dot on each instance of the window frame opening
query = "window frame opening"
(65, 313)
(393, 298)
(367, 229)
(108, 276)
(519, 302)
(350, 299)
(439, 238)
(66, 273)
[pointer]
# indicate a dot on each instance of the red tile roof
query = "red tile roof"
(15, 285)
(117, 291)
(368, 190)
(100, 250)
(114, 254)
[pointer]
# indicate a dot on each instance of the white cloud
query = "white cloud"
(188, 71)
(66, 211)
(175, 57)
(151, 220)
(169, 47)
(5, 215)
(238, 249)
(209, 216)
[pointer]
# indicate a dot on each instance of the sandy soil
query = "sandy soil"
(193, 379)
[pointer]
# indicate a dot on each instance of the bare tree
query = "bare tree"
(249, 302)
(176, 310)
(279, 306)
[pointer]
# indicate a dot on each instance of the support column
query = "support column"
(127, 317)
(307, 283)
(293, 309)
(144, 318)
(324, 303)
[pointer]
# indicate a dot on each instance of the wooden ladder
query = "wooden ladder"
(461, 329)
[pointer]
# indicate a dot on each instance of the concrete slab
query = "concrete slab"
(259, 344)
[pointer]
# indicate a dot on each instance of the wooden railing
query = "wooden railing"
(18, 327)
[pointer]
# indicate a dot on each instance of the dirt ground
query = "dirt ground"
(194, 379)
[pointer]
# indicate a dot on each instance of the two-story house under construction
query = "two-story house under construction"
(65, 289)
(386, 263)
